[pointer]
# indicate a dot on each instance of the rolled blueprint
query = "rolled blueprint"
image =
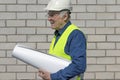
(39, 59)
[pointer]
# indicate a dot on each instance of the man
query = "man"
(69, 42)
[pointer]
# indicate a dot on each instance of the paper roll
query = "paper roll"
(39, 59)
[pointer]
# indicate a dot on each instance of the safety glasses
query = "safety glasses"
(52, 13)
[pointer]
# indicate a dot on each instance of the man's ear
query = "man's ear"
(65, 17)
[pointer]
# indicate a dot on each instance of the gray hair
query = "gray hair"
(62, 13)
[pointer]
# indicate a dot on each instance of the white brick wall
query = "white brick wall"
(24, 22)
(7, 1)
(26, 1)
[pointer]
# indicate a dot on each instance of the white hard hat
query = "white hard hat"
(58, 5)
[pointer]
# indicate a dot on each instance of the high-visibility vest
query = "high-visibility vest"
(58, 48)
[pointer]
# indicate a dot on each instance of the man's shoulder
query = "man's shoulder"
(77, 32)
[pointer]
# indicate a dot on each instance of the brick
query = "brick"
(2, 68)
(31, 69)
(106, 60)
(16, 23)
(7, 76)
(95, 23)
(50, 37)
(79, 8)
(113, 38)
(2, 23)
(86, 16)
(73, 1)
(29, 45)
(2, 54)
(7, 16)
(7, 61)
(48, 24)
(9, 54)
(19, 68)
(7, 1)
(43, 2)
(113, 8)
(42, 16)
(95, 53)
(118, 1)
(117, 75)
(79, 23)
(96, 8)
(104, 16)
(113, 23)
(113, 53)
(2, 8)
(25, 31)
(25, 75)
(26, 1)
(113, 67)
(88, 30)
(45, 31)
(105, 75)
(105, 31)
(91, 46)
(96, 38)
(91, 61)
(16, 8)
(106, 45)
(3, 39)
(86, 1)
(16, 38)
(118, 45)
(117, 30)
(36, 23)
(26, 15)
(37, 38)
(43, 45)
(7, 31)
(95, 68)
(7, 45)
(35, 8)
(106, 1)
(117, 15)
(73, 16)
(21, 62)
(88, 76)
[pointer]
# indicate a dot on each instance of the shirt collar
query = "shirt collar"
(59, 32)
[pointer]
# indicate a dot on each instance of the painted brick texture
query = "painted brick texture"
(24, 22)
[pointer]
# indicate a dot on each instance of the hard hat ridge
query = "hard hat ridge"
(58, 5)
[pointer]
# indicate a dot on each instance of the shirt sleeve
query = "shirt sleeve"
(76, 48)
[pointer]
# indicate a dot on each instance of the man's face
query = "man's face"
(55, 20)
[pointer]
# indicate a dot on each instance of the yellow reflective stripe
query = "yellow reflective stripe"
(78, 78)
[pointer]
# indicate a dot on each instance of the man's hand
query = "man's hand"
(44, 74)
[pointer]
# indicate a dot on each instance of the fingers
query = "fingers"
(41, 70)
(41, 73)
(44, 74)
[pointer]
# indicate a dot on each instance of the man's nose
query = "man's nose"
(49, 18)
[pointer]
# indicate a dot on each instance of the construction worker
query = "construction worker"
(69, 42)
